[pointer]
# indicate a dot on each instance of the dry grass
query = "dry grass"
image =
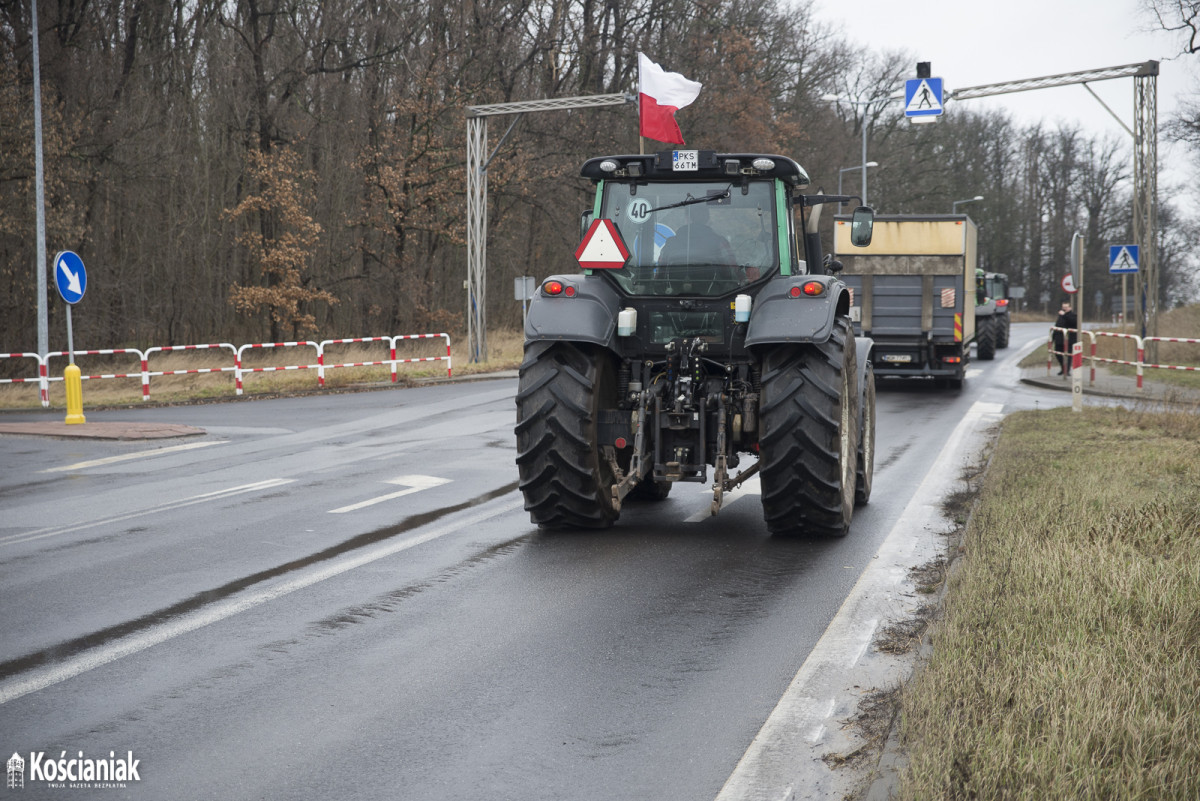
(504, 351)
(1067, 660)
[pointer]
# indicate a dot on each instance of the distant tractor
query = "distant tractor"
(706, 329)
(992, 296)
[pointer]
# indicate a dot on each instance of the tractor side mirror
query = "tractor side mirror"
(585, 222)
(862, 226)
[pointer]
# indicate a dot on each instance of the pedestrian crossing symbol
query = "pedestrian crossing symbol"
(1122, 259)
(923, 97)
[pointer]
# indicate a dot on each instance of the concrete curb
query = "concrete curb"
(116, 431)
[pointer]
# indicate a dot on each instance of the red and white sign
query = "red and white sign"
(602, 247)
(1068, 284)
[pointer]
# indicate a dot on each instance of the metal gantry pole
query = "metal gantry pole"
(1145, 196)
(476, 238)
(1145, 165)
(477, 198)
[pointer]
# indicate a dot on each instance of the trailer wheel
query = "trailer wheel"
(866, 440)
(985, 338)
(808, 436)
(562, 388)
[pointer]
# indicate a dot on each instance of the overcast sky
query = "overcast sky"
(971, 43)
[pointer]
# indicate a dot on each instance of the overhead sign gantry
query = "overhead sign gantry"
(477, 165)
(1145, 160)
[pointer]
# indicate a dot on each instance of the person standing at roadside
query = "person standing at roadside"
(1063, 345)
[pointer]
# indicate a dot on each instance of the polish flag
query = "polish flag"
(660, 95)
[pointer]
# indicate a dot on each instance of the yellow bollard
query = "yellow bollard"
(74, 385)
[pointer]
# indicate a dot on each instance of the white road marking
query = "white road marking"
(781, 756)
(216, 495)
(413, 483)
(126, 646)
(125, 457)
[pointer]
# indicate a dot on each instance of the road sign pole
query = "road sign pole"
(1124, 302)
(70, 338)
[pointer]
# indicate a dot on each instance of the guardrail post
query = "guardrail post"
(1141, 357)
(237, 368)
(1092, 358)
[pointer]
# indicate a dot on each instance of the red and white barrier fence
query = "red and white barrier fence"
(1140, 342)
(145, 373)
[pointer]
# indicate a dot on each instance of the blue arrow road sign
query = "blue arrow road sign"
(70, 276)
(1122, 259)
(923, 97)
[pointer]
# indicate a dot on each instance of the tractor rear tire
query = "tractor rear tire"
(808, 436)
(985, 338)
(565, 480)
(1003, 330)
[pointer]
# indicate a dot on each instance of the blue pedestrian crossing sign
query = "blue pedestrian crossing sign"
(70, 277)
(923, 98)
(1122, 259)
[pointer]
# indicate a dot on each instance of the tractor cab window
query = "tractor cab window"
(705, 238)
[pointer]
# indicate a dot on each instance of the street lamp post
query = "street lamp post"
(865, 104)
(862, 167)
(957, 203)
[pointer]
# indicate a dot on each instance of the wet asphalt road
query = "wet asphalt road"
(341, 596)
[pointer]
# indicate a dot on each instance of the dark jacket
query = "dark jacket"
(1067, 320)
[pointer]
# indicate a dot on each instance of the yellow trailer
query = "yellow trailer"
(914, 293)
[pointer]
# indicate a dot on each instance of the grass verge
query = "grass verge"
(1066, 663)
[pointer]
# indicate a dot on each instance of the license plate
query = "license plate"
(686, 161)
(897, 358)
(855, 314)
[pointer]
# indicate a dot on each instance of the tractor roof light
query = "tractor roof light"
(763, 164)
(610, 165)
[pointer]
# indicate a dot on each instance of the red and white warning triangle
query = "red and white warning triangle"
(602, 247)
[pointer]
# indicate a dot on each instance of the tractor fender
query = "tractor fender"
(779, 317)
(986, 309)
(585, 311)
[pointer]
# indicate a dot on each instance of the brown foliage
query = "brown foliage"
(280, 239)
